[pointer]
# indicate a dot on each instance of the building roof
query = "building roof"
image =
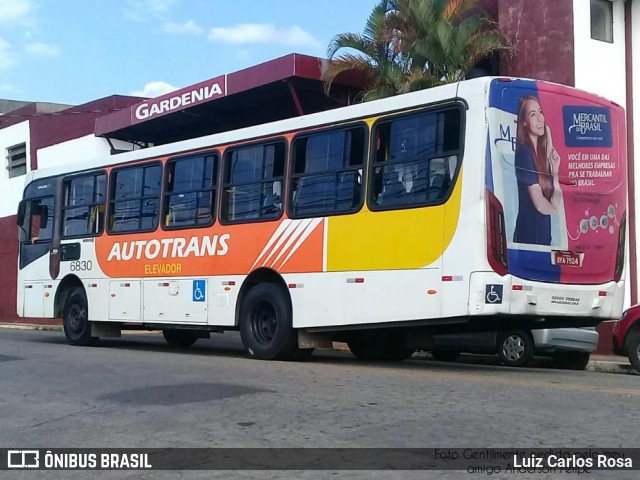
(286, 87)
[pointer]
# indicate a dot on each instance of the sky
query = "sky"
(76, 51)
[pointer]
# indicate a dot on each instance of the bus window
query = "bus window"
(415, 159)
(327, 173)
(135, 198)
(190, 192)
(38, 221)
(253, 183)
(84, 204)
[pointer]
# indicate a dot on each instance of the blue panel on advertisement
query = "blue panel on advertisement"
(587, 126)
(533, 265)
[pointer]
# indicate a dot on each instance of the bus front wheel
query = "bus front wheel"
(76, 324)
(266, 324)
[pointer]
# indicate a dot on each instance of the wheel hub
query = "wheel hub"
(76, 319)
(513, 347)
(264, 322)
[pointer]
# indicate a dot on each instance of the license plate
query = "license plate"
(567, 259)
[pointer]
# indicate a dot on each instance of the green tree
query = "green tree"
(420, 44)
(372, 55)
(442, 40)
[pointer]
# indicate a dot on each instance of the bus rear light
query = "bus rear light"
(520, 288)
(296, 285)
(620, 253)
(432, 292)
(447, 278)
(229, 282)
(602, 293)
(496, 235)
(355, 280)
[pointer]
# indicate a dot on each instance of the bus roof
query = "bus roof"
(330, 117)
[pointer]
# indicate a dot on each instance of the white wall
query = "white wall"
(78, 150)
(599, 66)
(11, 188)
(72, 151)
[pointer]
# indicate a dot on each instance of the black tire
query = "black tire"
(374, 345)
(266, 324)
(75, 319)
(396, 351)
(572, 360)
(302, 354)
(369, 345)
(633, 349)
(179, 338)
(397, 354)
(445, 355)
(515, 348)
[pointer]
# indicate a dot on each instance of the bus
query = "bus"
(488, 204)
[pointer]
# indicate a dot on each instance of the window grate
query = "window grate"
(17, 160)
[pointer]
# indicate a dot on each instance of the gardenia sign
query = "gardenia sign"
(161, 105)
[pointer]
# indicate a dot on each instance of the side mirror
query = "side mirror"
(44, 216)
(22, 209)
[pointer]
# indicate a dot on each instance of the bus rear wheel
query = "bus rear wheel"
(266, 324)
(179, 338)
(75, 319)
(372, 345)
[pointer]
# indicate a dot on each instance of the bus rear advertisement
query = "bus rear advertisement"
(487, 204)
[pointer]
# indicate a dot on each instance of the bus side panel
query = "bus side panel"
(363, 297)
(465, 217)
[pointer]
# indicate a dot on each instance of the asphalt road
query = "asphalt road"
(136, 392)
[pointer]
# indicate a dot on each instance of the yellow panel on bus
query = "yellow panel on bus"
(396, 239)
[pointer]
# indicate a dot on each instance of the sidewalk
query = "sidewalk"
(598, 363)
(609, 364)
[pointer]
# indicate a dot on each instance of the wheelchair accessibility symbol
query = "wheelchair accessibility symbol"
(199, 291)
(493, 294)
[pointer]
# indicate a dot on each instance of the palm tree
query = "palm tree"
(409, 45)
(374, 56)
(442, 40)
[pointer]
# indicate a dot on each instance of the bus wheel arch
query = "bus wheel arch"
(67, 285)
(264, 316)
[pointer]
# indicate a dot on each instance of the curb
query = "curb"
(610, 367)
(28, 326)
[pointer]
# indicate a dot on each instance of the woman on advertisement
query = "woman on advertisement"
(537, 163)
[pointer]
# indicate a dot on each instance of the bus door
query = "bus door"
(36, 236)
